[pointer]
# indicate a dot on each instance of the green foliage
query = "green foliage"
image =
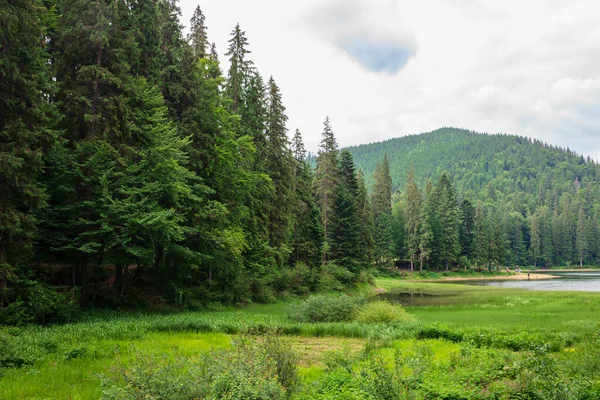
(325, 308)
(34, 302)
(382, 312)
(246, 371)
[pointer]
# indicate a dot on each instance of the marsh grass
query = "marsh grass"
(63, 361)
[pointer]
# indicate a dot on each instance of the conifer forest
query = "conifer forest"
(165, 233)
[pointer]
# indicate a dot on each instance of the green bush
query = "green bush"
(325, 308)
(37, 303)
(382, 312)
(246, 371)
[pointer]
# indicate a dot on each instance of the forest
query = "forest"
(133, 170)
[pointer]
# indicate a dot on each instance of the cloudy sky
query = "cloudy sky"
(390, 68)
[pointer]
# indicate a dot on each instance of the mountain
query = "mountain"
(480, 164)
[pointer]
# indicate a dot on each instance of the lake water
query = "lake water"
(568, 281)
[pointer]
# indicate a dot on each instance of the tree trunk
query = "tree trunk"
(412, 257)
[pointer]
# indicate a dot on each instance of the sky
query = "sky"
(388, 68)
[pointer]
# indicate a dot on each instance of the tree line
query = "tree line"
(130, 163)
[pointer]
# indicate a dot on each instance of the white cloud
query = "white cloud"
(528, 68)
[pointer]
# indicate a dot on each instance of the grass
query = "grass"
(66, 361)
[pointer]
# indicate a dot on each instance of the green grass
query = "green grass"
(65, 361)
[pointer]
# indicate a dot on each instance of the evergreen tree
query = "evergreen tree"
(326, 181)
(366, 223)
(582, 237)
(198, 37)
(480, 240)
(344, 234)
(466, 228)
(24, 131)
(147, 30)
(413, 207)
(280, 167)
(448, 215)
(381, 201)
(307, 237)
(239, 68)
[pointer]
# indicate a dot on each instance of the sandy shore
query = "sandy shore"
(516, 277)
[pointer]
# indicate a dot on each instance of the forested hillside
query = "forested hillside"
(520, 201)
(476, 160)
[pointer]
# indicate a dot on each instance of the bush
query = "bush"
(382, 312)
(247, 371)
(325, 308)
(37, 303)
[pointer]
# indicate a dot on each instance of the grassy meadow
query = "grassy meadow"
(460, 342)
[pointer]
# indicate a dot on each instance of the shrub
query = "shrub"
(37, 303)
(382, 312)
(325, 308)
(247, 371)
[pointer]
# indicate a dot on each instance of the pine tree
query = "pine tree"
(326, 181)
(24, 131)
(413, 207)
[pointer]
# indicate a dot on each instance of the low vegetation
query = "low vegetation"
(473, 343)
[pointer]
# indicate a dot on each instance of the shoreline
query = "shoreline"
(517, 277)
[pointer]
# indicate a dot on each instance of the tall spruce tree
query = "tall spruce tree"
(366, 223)
(448, 214)
(239, 67)
(344, 235)
(24, 131)
(198, 37)
(413, 200)
(280, 167)
(381, 201)
(307, 236)
(326, 181)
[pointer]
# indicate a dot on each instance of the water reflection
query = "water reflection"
(413, 298)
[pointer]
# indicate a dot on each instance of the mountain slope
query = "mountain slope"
(481, 163)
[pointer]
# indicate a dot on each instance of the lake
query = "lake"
(568, 281)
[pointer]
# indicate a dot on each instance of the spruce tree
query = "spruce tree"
(307, 236)
(344, 235)
(198, 37)
(480, 239)
(582, 237)
(326, 181)
(280, 167)
(24, 131)
(412, 200)
(448, 214)
(366, 223)
(381, 203)
(239, 68)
